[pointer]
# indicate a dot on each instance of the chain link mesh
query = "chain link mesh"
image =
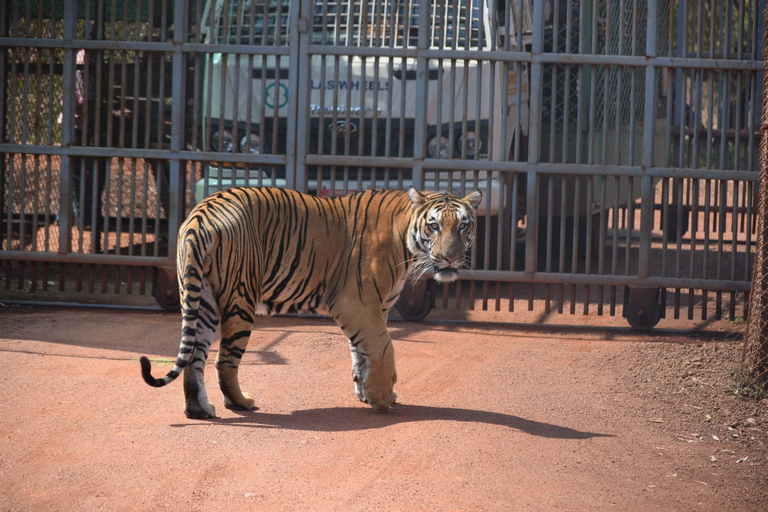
(755, 355)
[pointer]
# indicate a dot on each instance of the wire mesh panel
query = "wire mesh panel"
(704, 213)
(755, 356)
(32, 95)
(87, 122)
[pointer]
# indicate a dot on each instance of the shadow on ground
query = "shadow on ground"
(342, 419)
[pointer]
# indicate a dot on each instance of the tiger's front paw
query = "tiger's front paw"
(381, 401)
(379, 395)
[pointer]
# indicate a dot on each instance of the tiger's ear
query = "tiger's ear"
(474, 198)
(417, 198)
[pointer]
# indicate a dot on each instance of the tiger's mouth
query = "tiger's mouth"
(446, 275)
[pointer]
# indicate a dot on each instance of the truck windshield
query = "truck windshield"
(393, 23)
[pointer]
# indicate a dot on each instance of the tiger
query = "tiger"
(247, 252)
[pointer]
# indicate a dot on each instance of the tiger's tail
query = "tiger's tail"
(191, 284)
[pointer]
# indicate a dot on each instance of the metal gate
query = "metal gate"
(615, 141)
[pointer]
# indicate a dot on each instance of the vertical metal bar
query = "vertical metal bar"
(49, 159)
(602, 238)
(176, 194)
(530, 296)
(6, 160)
(149, 59)
(550, 222)
(707, 225)
(39, 139)
(615, 226)
(5, 72)
(348, 97)
(513, 227)
(734, 228)
(574, 231)
(105, 111)
(297, 141)
(553, 87)
(629, 225)
(646, 190)
(208, 94)
(589, 215)
(665, 212)
(721, 203)
(534, 135)
(677, 191)
(749, 214)
(591, 114)
(519, 71)
(121, 144)
(67, 127)
(589, 183)
(563, 216)
(422, 84)
(694, 227)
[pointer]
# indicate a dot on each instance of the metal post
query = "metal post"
(297, 142)
(5, 11)
(422, 75)
(646, 187)
(176, 195)
(68, 125)
(534, 129)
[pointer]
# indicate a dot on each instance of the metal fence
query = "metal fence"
(616, 142)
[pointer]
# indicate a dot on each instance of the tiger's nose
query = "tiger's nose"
(451, 259)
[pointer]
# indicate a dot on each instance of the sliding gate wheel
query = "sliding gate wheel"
(643, 310)
(166, 290)
(415, 301)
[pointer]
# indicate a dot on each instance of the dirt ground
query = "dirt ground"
(490, 417)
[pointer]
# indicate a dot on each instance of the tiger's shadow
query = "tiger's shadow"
(342, 419)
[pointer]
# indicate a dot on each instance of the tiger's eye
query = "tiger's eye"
(434, 226)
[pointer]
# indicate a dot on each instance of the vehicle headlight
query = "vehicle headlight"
(438, 147)
(222, 140)
(472, 142)
(250, 144)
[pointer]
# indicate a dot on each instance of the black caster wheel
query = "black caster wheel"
(643, 310)
(415, 301)
(167, 289)
(415, 310)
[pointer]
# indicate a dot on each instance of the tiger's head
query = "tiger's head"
(440, 233)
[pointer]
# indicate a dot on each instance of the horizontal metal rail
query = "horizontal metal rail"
(604, 280)
(153, 154)
(399, 53)
(90, 259)
(372, 161)
(141, 46)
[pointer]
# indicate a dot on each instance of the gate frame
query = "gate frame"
(641, 286)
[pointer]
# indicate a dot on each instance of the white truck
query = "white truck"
(360, 105)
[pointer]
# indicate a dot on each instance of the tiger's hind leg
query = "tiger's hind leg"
(195, 395)
(235, 331)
